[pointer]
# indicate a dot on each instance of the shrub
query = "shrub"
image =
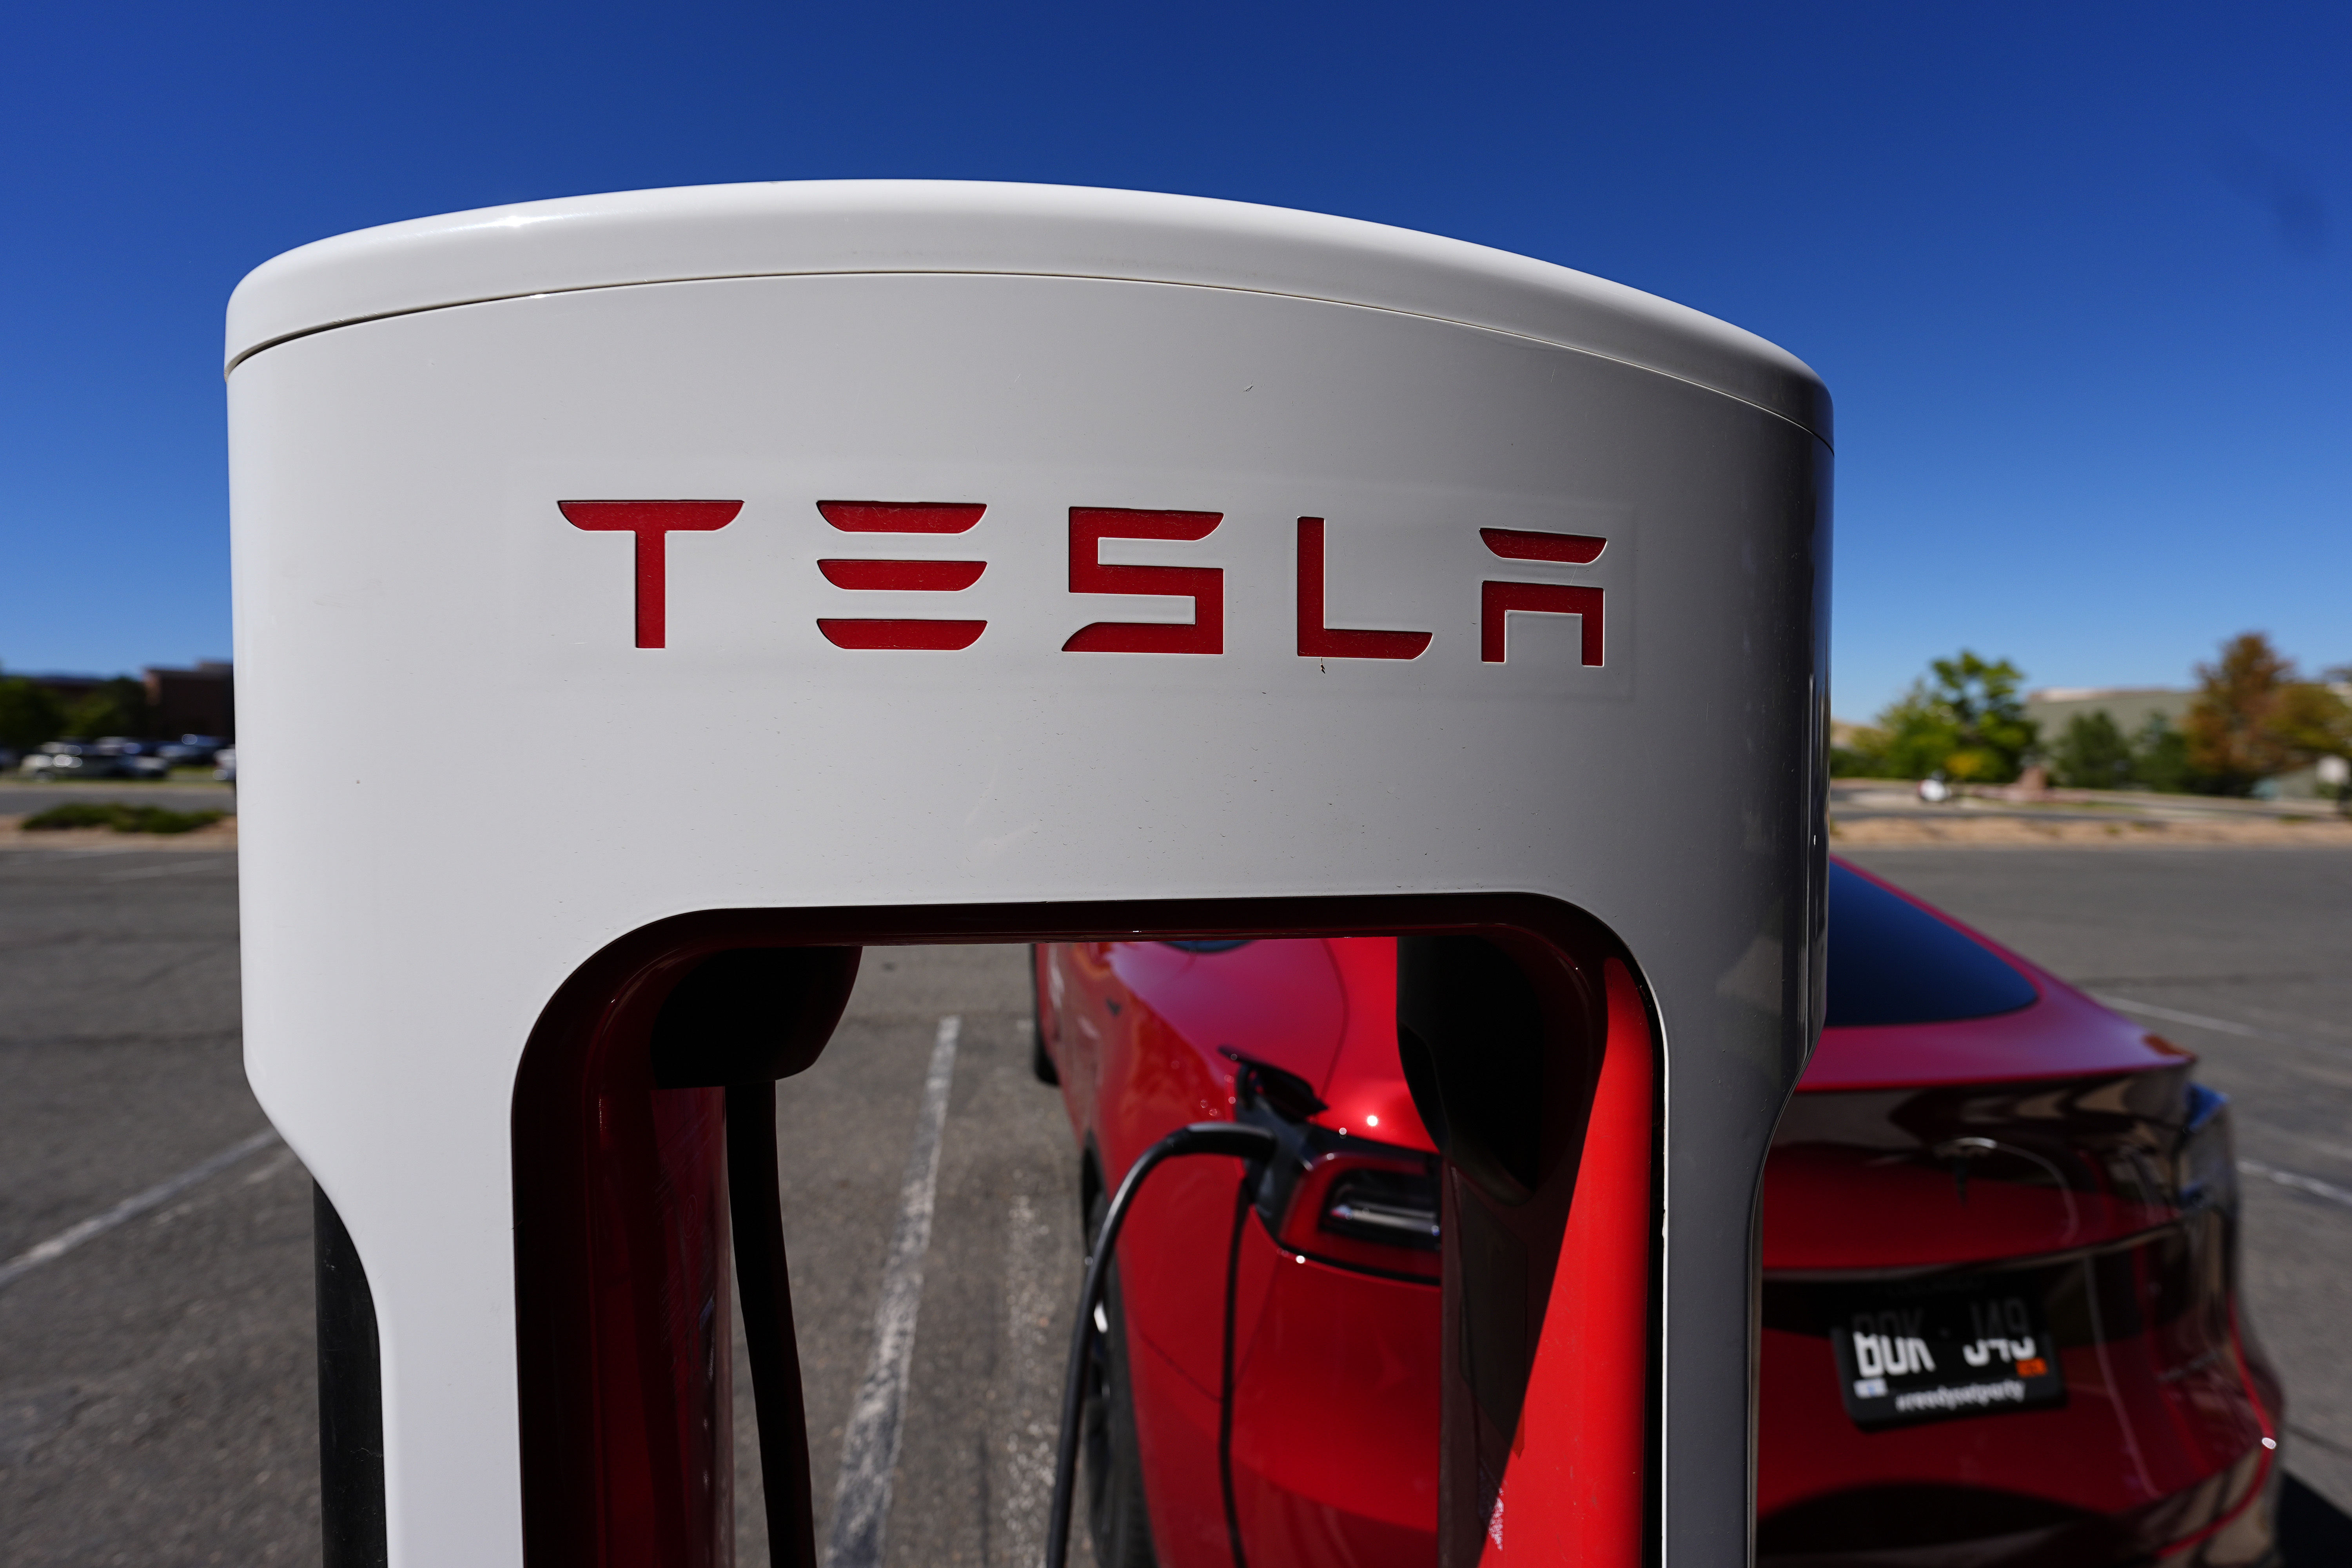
(1854, 763)
(2161, 761)
(120, 818)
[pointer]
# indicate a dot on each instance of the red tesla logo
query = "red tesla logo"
(652, 521)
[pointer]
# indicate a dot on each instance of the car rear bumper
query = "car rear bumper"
(2163, 1451)
(2226, 1521)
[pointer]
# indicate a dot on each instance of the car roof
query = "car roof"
(2061, 1034)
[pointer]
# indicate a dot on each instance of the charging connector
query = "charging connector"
(1257, 1145)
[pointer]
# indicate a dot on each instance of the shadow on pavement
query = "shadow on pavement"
(2313, 1532)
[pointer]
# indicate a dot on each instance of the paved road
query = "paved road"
(2245, 957)
(156, 1383)
(1859, 799)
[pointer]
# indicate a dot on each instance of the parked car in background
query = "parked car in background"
(136, 759)
(108, 757)
(2001, 1320)
(192, 750)
(58, 760)
(224, 765)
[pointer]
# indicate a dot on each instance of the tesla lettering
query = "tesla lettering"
(1498, 601)
(901, 576)
(652, 521)
(1205, 585)
(1317, 640)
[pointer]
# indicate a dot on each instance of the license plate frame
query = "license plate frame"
(1910, 1352)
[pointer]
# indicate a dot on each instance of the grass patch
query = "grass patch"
(121, 818)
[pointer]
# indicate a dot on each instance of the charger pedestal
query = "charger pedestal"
(626, 580)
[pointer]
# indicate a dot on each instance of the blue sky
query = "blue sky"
(2077, 275)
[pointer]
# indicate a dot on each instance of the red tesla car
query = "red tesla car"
(2001, 1322)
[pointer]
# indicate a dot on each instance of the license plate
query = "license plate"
(1938, 1352)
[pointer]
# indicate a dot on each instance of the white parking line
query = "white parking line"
(869, 1448)
(130, 1209)
(2199, 1020)
(2299, 1182)
(2219, 1026)
(1032, 1313)
(275, 1167)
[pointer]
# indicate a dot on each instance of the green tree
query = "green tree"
(2314, 722)
(2160, 759)
(2255, 717)
(2093, 754)
(116, 707)
(29, 714)
(1963, 720)
(1914, 735)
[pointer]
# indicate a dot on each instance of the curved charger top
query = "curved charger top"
(944, 226)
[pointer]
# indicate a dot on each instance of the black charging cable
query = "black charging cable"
(1236, 1141)
(1245, 1195)
(742, 1020)
(765, 1281)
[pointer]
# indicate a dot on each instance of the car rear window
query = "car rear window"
(1891, 962)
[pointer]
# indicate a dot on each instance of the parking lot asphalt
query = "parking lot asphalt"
(156, 1401)
(2243, 956)
(157, 1383)
(998, 1276)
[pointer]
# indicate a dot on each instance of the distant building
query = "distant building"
(2131, 707)
(198, 702)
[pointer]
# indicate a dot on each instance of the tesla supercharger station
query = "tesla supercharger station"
(644, 601)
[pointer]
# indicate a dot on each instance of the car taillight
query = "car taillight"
(1340, 1199)
(1361, 1204)
(2204, 1163)
(1382, 1205)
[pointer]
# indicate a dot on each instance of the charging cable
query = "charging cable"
(1236, 1141)
(764, 1277)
